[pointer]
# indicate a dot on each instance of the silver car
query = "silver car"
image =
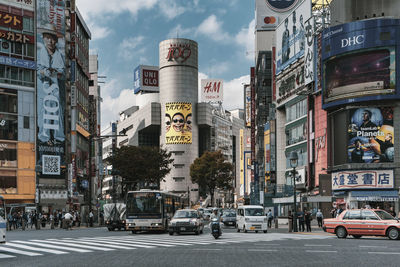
(186, 220)
(229, 217)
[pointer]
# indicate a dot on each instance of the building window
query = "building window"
(8, 182)
(8, 101)
(179, 166)
(8, 127)
(123, 142)
(26, 122)
(296, 111)
(8, 155)
(17, 76)
(178, 153)
(179, 179)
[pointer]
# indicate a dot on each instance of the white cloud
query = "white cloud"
(178, 30)
(98, 32)
(130, 47)
(212, 28)
(170, 9)
(111, 107)
(233, 92)
(245, 38)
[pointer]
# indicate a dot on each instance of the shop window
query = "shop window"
(8, 155)
(8, 127)
(8, 184)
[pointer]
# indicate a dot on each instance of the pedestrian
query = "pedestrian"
(300, 216)
(320, 217)
(270, 218)
(67, 221)
(290, 223)
(91, 217)
(333, 213)
(307, 219)
(391, 211)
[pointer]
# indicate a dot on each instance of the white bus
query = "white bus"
(150, 210)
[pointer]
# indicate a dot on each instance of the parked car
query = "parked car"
(186, 220)
(360, 222)
(251, 217)
(229, 217)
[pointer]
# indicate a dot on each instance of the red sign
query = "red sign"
(179, 52)
(16, 37)
(10, 21)
(150, 77)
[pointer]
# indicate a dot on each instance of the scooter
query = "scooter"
(215, 228)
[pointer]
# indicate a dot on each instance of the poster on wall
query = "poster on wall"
(371, 135)
(290, 36)
(178, 123)
(50, 87)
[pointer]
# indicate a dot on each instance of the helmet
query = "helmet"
(214, 209)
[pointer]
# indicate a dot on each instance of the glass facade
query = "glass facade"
(296, 111)
(221, 136)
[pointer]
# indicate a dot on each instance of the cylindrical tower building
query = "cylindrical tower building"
(178, 75)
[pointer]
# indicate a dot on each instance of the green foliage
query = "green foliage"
(211, 171)
(140, 165)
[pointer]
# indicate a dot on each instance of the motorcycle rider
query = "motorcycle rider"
(216, 215)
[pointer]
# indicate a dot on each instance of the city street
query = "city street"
(99, 247)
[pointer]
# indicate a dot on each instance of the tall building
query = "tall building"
(17, 102)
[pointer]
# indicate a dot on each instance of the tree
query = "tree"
(140, 165)
(211, 171)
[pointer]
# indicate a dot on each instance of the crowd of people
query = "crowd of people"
(32, 219)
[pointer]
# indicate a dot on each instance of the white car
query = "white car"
(186, 220)
(251, 218)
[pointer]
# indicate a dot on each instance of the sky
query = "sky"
(126, 33)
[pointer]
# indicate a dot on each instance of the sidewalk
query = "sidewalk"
(284, 228)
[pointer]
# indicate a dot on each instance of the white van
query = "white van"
(251, 218)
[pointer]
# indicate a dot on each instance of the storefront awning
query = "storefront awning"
(376, 195)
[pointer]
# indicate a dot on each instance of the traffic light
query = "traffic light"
(269, 20)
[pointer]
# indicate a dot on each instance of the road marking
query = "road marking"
(107, 241)
(266, 250)
(53, 246)
(5, 256)
(384, 253)
(17, 251)
(373, 246)
(95, 244)
(36, 249)
(63, 243)
(207, 249)
(321, 251)
(312, 245)
(132, 241)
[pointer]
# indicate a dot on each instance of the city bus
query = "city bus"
(150, 210)
(3, 219)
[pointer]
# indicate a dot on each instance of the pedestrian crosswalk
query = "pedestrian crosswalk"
(53, 246)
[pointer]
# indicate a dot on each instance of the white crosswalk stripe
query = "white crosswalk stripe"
(130, 242)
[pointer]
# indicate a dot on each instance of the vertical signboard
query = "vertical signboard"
(267, 152)
(178, 123)
(254, 178)
(211, 90)
(290, 36)
(50, 87)
(309, 51)
(247, 104)
(242, 185)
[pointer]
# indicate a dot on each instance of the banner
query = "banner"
(309, 53)
(212, 90)
(371, 135)
(50, 87)
(178, 123)
(247, 104)
(362, 179)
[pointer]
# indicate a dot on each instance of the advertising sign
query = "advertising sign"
(362, 179)
(25, 4)
(309, 53)
(247, 104)
(371, 135)
(146, 79)
(290, 85)
(241, 162)
(270, 12)
(359, 62)
(212, 90)
(290, 36)
(267, 151)
(16, 62)
(50, 87)
(178, 123)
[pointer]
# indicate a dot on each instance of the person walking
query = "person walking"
(91, 217)
(67, 221)
(307, 219)
(300, 216)
(320, 217)
(270, 218)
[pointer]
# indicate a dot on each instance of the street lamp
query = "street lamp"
(293, 163)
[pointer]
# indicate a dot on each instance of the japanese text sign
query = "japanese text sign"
(362, 179)
(10, 21)
(178, 123)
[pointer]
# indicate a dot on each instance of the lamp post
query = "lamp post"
(293, 163)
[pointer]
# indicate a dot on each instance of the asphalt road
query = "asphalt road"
(99, 247)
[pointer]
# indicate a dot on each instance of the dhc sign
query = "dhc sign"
(355, 40)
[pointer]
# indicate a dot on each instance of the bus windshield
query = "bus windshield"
(143, 203)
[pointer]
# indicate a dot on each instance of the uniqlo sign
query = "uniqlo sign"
(145, 79)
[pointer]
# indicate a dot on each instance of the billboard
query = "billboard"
(146, 78)
(359, 62)
(370, 135)
(50, 87)
(362, 179)
(212, 90)
(360, 73)
(178, 123)
(290, 84)
(25, 4)
(309, 52)
(290, 36)
(270, 12)
(267, 151)
(247, 104)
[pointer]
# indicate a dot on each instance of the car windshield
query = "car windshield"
(384, 215)
(185, 214)
(229, 214)
(254, 212)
